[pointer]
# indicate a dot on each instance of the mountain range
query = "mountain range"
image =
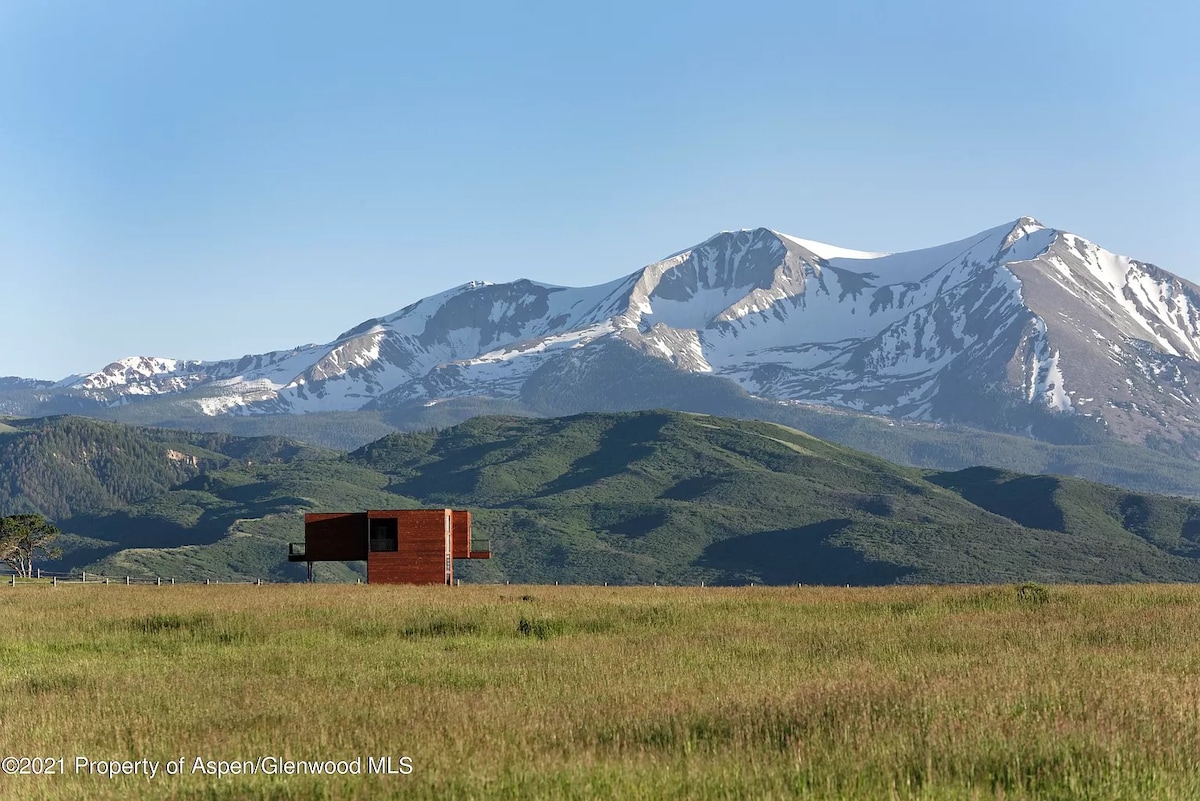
(626, 498)
(1020, 328)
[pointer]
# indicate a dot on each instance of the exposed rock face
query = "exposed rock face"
(1015, 323)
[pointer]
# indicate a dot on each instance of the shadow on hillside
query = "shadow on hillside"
(447, 474)
(1028, 500)
(624, 443)
(691, 489)
(77, 551)
(151, 532)
(797, 556)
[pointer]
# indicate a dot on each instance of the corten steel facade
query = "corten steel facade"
(400, 546)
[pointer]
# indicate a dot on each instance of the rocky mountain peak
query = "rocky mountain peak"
(1017, 317)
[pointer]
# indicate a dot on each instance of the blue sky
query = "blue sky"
(209, 179)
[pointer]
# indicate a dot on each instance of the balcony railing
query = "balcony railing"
(481, 548)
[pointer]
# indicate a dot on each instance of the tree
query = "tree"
(24, 536)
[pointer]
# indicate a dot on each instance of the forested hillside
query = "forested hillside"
(60, 466)
(635, 497)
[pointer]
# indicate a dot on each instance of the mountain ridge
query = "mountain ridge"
(992, 330)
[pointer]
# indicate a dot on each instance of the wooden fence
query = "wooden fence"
(43, 578)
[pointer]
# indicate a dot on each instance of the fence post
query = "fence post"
(172, 581)
(158, 581)
(259, 582)
(54, 581)
(206, 582)
(39, 572)
(84, 579)
(106, 581)
(127, 581)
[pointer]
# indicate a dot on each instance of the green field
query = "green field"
(592, 692)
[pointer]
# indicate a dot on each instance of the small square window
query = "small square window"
(383, 535)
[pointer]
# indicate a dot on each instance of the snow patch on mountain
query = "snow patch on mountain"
(132, 372)
(824, 251)
(1044, 381)
(1041, 312)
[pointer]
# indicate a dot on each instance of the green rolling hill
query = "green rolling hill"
(1064, 446)
(633, 497)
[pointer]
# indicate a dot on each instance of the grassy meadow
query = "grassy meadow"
(591, 692)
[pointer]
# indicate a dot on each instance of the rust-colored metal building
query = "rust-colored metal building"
(400, 546)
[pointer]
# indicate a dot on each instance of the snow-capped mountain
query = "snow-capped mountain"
(1017, 320)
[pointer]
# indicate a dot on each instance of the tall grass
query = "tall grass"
(567, 692)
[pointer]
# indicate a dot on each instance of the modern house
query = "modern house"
(400, 546)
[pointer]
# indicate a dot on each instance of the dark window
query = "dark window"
(383, 535)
